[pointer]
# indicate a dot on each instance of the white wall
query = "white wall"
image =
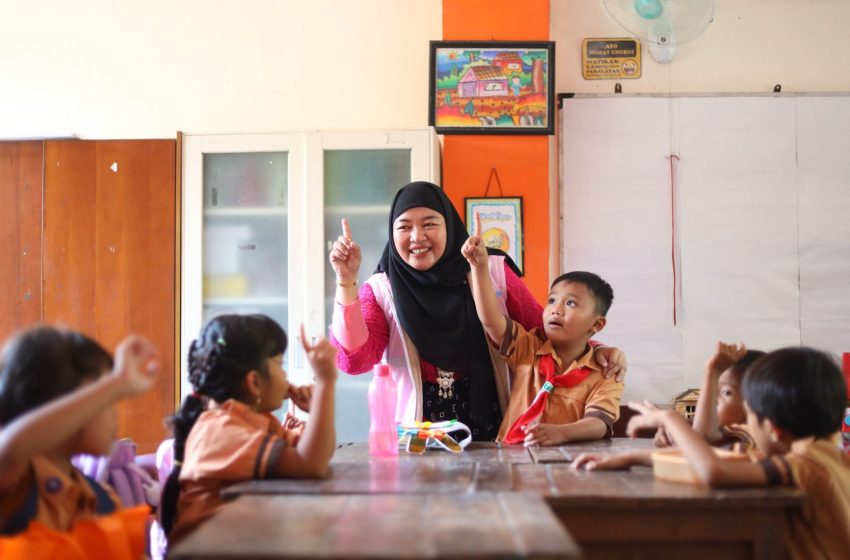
(750, 46)
(106, 69)
(755, 204)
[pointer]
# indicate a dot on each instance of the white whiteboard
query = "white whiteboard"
(762, 225)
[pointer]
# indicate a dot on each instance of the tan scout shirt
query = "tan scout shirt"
(595, 397)
(227, 444)
(821, 470)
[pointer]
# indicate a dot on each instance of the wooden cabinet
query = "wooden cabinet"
(93, 248)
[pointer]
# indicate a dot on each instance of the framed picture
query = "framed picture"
(489, 87)
(501, 224)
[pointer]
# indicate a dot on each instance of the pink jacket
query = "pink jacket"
(400, 353)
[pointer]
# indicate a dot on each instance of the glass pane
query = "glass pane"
(245, 180)
(245, 235)
(360, 186)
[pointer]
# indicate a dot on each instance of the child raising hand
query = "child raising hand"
(225, 433)
(57, 392)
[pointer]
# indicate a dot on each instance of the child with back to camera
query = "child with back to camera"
(225, 432)
(794, 399)
(720, 417)
(57, 394)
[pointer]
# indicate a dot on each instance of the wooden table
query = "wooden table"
(632, 514)
(610, 514)
(481, 525)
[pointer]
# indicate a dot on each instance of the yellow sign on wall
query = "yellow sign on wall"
(608, 59)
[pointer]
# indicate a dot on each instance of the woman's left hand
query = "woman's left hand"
(613, 362)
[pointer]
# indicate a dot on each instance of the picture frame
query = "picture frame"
(501, 224)
(492, 87)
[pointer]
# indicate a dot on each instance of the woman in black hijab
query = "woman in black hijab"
(416, 313)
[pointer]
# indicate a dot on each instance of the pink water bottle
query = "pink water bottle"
(383, 437)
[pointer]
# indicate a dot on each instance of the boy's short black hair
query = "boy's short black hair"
(800, 390)
(599, 288)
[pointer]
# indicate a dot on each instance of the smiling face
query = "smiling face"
(419, 236)
(730, 403)
(570, 314)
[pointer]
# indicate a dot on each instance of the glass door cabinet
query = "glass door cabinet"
(260, 212)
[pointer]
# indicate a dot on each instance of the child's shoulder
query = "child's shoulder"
(818, 458)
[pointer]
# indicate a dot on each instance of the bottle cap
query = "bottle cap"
(382, 370)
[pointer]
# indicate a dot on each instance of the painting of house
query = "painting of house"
(509, 61)
(492, 87)
(482, 81)
(685, 403)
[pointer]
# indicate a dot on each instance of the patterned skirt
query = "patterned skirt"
(438, 409)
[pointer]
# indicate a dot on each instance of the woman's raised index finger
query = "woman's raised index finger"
(346, 230)
(477, 224)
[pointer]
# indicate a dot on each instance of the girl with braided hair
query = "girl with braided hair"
(225, 433)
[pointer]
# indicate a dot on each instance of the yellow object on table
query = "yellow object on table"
(670, 464)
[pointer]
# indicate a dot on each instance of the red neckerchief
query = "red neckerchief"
(546, 367)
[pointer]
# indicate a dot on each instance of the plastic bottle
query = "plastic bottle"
(383, 437)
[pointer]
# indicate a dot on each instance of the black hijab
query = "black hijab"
(435, 306)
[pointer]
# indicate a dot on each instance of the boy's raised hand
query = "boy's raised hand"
(474, 250)
(322, 357)
(725, 355)
(136, 365)
(345, 256)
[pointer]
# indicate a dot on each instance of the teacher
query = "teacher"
(416, 313)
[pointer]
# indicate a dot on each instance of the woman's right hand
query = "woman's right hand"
(345, 256)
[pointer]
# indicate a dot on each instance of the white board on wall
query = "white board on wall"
(751, 213)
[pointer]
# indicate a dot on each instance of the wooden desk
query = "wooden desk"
(483, 525)
(609, 513)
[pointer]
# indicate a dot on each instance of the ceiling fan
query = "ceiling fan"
(663, 24)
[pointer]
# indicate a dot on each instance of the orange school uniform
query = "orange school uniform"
(228, 444)
(62, 498)
(821, 470)
(594, 396)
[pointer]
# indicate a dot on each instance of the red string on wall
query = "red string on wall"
(672, 157)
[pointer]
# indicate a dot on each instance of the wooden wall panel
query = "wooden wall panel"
(21, 166)
(109, 267)
(135, 268)
(69, 232)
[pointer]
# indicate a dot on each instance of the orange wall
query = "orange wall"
(521, 161)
